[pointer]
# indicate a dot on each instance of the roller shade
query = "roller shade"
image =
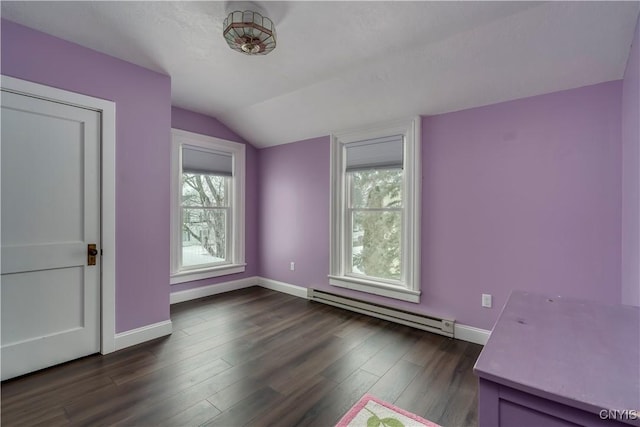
(196, 160)
(378, 153)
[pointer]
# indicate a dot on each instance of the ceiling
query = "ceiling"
(345, 65)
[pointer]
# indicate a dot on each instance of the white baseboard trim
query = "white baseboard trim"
(471, 334)
(143, 334)
(461, 332)
(285, 288)
(205, 291)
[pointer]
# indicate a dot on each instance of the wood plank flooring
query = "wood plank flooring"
(254, 357)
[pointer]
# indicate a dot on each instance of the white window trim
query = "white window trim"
(237, 198)
(411, 233)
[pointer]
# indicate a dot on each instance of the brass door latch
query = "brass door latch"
(92, 252)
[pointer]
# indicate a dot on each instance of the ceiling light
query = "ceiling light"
(250, 33)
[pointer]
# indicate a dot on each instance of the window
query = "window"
(206, 219)
(207, 215)
(375, 202)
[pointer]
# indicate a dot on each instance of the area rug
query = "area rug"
(373, 412)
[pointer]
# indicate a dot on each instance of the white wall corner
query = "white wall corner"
(218, 288)
(286, 288)
(143, 334)
(471, 334)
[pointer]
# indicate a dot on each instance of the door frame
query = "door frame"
(107, 189)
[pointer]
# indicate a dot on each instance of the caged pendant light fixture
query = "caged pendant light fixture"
(249, 32)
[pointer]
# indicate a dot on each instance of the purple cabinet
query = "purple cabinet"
(554, 361)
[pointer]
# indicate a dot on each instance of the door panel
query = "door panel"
(47, 198)
(50, 213)
(42, 292)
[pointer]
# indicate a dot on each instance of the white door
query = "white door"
(50, 214)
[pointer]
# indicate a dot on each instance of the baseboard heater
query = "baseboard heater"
(420, 321)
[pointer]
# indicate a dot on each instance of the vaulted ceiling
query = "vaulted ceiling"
(341, 65)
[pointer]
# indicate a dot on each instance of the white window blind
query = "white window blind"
(378, 153)
(196, 160)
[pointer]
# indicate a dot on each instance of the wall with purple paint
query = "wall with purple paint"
(205, 125)
(524, 194)
(631, 175)
(294, 212)
(518, 195)
(143, 122)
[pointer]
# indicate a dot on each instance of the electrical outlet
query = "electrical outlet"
(292, 267)
(486, 300)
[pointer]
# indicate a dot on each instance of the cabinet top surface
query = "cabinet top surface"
(580, 353)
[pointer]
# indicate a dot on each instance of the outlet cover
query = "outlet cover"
(486, 300)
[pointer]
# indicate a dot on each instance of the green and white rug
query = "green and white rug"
(372, 412)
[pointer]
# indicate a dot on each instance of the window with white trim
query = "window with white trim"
(375, 210)
(207, 215)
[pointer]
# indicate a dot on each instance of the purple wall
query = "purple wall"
(631, 176)
(517, 195)
(205, 125)
(523, 195)
(294, 212)
(143, 121)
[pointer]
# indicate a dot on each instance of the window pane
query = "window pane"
(204, 190)
(376, 188)
(203, 236)
(375, 247)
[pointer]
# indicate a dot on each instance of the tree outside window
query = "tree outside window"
(376, 223)
(204, 218)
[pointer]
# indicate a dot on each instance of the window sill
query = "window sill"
(206, 273)
(375, 288)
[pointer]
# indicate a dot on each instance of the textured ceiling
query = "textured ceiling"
(341, 65)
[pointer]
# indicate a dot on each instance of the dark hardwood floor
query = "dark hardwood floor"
(254, 357)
